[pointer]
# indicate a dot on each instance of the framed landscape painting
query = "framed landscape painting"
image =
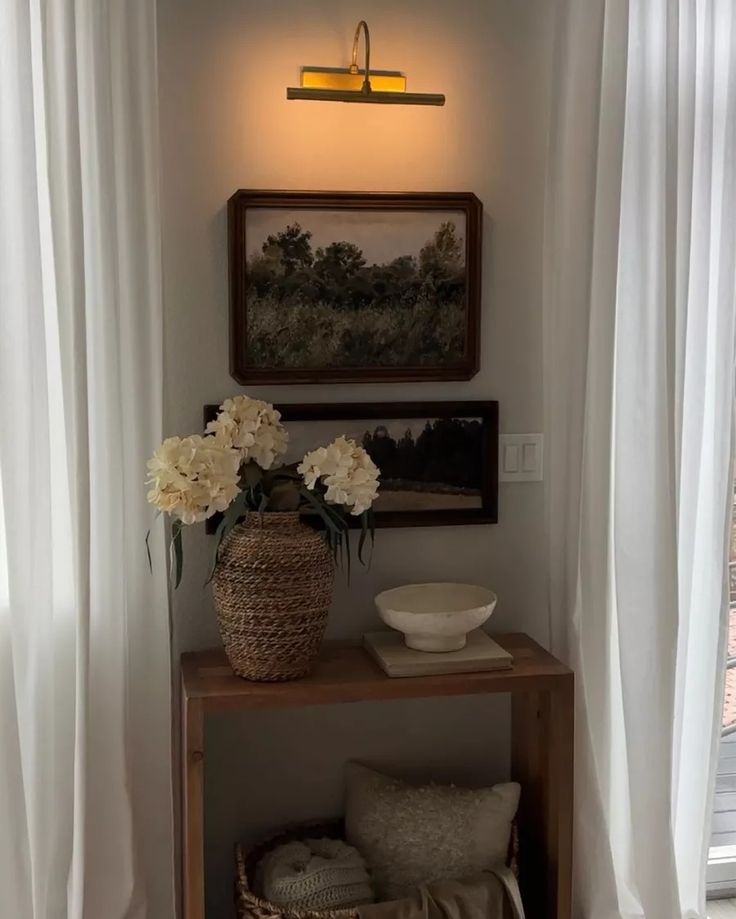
(354, 286)
(438, 460)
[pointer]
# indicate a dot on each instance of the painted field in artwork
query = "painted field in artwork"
(355, 289)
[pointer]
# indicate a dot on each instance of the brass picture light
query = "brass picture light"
(336, 84)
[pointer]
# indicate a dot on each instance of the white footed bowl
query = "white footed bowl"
(436, 617)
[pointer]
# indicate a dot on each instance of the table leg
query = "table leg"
(542, 761)
(192, 783)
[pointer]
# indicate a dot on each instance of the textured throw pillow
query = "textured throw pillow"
(416, 835)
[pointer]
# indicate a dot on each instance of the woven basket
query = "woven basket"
(272, 588)
(249, 906)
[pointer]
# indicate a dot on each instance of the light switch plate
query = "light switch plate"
(522, 457)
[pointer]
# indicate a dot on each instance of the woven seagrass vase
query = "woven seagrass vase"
(272, 587)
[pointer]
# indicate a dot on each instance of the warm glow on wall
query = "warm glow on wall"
(334, 84)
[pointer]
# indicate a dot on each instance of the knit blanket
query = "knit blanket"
(314, 874)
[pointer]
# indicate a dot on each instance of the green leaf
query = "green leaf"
(148, 543)
(229, 519)
(347, 554)
(252, 474)
(252, 497)
(177, 551)
(371, 515)
(331, 541)
(332, 512)
(336, 527)
(317, 505)
(363, 535)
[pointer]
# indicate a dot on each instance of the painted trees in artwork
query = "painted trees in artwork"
(447, 453)
(332, 268)
(338, 307)
(288, 251)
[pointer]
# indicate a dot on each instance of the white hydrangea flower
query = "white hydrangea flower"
(251, 426)
(349, 474)
(193, 477)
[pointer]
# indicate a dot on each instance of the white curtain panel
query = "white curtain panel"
(640, 299)
(85, 728)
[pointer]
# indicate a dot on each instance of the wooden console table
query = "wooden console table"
(541, 747)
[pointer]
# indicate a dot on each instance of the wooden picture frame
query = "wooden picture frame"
(359, 309)
(486, 412)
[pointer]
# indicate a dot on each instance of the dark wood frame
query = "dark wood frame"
(487, 411)
(244, 199)
(542, 747)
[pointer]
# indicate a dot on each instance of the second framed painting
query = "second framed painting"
(354, 287)
(438, 460)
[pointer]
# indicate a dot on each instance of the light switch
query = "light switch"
(521, 457)
(528, 457)
(511, 458)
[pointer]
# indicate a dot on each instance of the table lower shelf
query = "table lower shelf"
(541, 746)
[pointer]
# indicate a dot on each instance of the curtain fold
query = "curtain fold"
(639, 321)
(85, 720)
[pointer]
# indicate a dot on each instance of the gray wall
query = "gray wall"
(225, 124)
